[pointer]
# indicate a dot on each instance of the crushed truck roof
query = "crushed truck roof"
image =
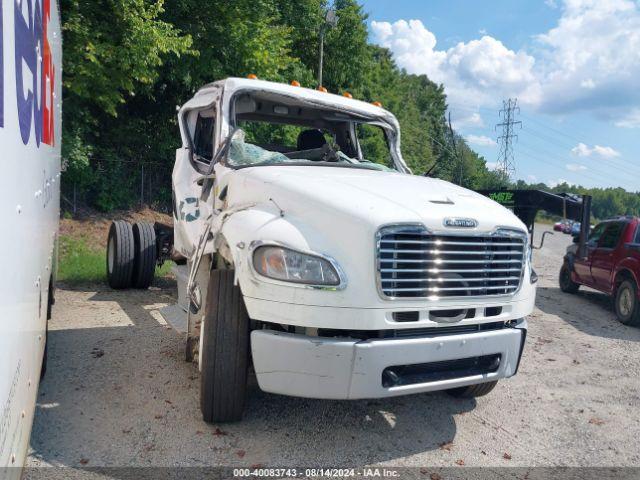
(206, 95)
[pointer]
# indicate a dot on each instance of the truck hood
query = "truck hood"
(366, 196)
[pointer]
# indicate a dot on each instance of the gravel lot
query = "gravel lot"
(118, 393)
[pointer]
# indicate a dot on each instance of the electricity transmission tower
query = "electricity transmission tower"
(506, 163)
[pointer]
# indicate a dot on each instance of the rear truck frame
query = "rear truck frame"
(526, 204)
(325, 267)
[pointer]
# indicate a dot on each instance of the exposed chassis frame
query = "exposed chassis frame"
(525, 204)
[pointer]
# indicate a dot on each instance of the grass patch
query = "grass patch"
(165, 269)
(82, 262)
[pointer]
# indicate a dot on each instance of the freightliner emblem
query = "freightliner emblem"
(460, 222)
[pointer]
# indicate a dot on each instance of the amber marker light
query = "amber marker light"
(252, 76)
(295, 83)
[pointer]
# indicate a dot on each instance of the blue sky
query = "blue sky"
(574, 66)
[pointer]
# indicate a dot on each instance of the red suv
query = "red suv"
(612, 266)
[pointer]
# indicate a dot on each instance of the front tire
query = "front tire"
(225, 350)
(567, 285)
(120, 255)
(472, 391)
(627, 305)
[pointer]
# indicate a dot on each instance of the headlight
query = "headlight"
(287, 265)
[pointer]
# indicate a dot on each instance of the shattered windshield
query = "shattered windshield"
(314, 148)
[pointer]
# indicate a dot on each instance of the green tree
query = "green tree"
(129, 63)
(113, 51)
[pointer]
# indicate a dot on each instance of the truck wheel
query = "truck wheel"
(567, 285)
(627, 305)
(225, 350)
(120, 255)
(144, 265)
(472, 391)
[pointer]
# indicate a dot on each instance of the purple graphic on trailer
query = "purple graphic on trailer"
(32, 50)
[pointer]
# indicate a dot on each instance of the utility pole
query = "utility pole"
(506, 164)
(330, 20)
(455, 149)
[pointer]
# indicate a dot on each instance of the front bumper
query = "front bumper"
(333, 368)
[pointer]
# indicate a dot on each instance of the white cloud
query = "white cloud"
(482, 31)
(532, 178)
(492, 165)
(575, 167)
(555, 183)
(551, 3)
(464, 120)
(582, 150)
(480, 140)
(476, 72)
(605, 152)
(630, 120)
(594, 46)
(588, 83)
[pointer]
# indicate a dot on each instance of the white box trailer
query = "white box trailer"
(311, 255)
(30, 135)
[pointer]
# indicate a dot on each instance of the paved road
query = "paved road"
(118, 393)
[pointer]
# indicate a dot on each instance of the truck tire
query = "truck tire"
(144, 264)
(567, 285)
(627, 305)
(120, 255)
(472, 391)
(225, 350)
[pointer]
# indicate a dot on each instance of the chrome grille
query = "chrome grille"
(413, 262)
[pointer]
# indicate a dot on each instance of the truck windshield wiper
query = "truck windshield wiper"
(428, 172)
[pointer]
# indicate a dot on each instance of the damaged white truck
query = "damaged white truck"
(310, 255)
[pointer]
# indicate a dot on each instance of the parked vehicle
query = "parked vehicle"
(612, 265)
(566, 228)
(558, 226)
(314, 255)
(30, 136)
(575, 229)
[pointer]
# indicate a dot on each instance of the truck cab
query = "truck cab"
(611, 265)
(314, 258)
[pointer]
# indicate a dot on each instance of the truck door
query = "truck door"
(582, 266)
(198, 126)
(603, 259)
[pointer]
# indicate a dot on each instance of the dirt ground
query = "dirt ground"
(119, 393)
(94, 226)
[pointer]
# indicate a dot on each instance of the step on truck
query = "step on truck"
(308, 254)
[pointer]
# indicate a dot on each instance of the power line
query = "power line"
(564, 145)
(506, 163)
(582, 174)
(455, 146)
(606, 173)
(538, 159)
(560, 132)
(552, 137)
